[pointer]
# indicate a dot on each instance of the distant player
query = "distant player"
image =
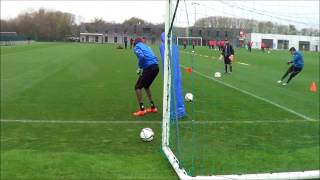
(221, 45)
(263, 46)
(193, 44)
(214, 44)
(227, 53)
(209, 44)
(184, 44)
(148, 71)
(249, 44)
(125, 42)
(131, 42)
(296, 66)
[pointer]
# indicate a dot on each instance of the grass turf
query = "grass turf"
(92, 82)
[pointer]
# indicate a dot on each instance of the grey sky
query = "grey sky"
(116, 11)
(300, 13)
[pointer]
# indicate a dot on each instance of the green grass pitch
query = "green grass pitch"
(81, 98)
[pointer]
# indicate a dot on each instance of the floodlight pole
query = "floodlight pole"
(195, 11)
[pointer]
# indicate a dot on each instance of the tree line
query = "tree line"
(43, 25)
(254, 26)
(48, 25)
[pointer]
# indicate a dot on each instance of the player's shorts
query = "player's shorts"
(227, 60)
(296, 70)
(147, 77)
(293, 69)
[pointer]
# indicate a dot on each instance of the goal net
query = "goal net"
(228, 132)
(197, 41)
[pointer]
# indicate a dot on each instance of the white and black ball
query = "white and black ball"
(147, 134)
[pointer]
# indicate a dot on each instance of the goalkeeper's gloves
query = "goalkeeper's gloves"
(231, 57)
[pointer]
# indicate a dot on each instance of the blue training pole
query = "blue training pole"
(177, 108)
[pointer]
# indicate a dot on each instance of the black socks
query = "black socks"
(141, 106)
(152, 104)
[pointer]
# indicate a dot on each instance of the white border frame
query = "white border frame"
(313, 174)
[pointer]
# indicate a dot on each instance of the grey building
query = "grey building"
(118, 33)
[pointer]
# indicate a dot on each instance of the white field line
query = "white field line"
(249, 122)
(213, 57)
(243, 63)
(44, 121)
(76, 121)
(255, 96)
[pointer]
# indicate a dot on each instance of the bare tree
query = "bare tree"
(252, 25)
(41, 24)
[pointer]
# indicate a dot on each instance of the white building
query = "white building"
(103, 38)
(91, 37)
(279, 41)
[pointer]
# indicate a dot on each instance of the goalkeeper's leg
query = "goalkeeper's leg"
(153, 107)
(138, 87)
(152, 74)
(226, 63)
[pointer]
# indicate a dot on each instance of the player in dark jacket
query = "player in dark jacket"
(227, 53)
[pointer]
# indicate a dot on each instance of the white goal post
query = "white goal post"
(303, 175)
(199, 39)
(172, 158)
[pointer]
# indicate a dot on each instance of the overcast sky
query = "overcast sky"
(300, 13)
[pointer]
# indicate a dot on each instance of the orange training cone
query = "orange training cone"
(189, 70)
(313, 87)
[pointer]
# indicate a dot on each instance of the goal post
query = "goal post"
(179, 138)
(166, 79)
(190, 40)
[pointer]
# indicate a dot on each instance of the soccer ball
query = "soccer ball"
(146, 134)
(189, 97)
(217, 74)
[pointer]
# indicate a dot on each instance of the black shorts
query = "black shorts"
(293, 69)
(227, 60)
(147, 77)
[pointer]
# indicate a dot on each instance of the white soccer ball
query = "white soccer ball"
(146, 134)
(189, 97)
(217, 74)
